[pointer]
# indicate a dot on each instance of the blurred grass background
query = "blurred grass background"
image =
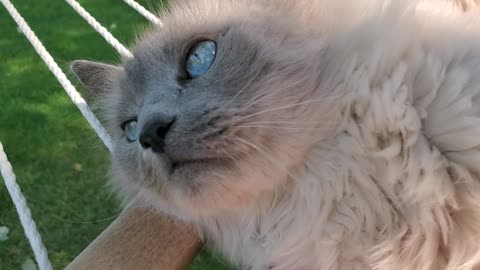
(60, 163)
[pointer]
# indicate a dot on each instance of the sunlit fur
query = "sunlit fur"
(351, 137)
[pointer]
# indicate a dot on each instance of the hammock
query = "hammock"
(6, 170)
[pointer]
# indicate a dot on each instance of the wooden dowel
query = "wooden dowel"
(140, 239)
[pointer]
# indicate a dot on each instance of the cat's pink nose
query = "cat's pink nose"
(153, 134)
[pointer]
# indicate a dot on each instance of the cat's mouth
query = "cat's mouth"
(178, 165)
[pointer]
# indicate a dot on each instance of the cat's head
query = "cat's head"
(214, 109)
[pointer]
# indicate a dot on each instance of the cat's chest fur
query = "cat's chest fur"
(324, 223)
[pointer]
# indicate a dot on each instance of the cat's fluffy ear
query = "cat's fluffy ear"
(96, 77)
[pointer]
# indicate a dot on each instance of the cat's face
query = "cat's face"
(211, 113)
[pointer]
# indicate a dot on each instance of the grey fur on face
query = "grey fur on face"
(227, 135)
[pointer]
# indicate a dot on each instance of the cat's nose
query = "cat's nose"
(154, 132)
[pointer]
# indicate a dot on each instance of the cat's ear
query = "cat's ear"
(96, 77)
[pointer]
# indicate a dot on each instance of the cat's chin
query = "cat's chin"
(207, 187)
(213, 188)
(191, 178)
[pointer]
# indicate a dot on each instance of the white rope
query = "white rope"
(100, 29)
(147, 14)
(61, 77)
(24, 213)
(6, 170)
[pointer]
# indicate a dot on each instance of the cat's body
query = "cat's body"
(381, 166)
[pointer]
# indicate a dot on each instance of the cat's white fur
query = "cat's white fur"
(398, 185)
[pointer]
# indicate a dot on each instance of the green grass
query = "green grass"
(45, 136)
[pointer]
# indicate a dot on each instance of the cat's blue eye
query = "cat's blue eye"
(200, 58)
(131, 131)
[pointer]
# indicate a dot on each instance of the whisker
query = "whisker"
(149, 211)
(131, 204)
(266, 154)
(95, 221)
(231, 157)
(276, 127)
(284, 122)
(262, 95)
(283, 107)
(255, 100)
(248, 84)
(269, 94)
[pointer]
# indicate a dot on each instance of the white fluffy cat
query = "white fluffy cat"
(306, 134)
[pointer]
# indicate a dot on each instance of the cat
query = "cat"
(305, 134)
